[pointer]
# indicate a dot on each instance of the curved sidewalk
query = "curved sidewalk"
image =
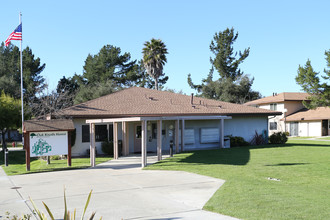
(121, 190)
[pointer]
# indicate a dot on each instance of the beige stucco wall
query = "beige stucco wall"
(290, 107)
(280, 124)
(308, 128)
(293, 106)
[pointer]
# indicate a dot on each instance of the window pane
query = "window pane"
(273, 125)
(138, 132)
(273, 106)
(110, 132)
(101, 133)
(154, 130)
(85, 133)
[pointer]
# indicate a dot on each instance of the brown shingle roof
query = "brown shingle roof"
(48, 125)
(284, 96)
(320, 113)
(137, 101)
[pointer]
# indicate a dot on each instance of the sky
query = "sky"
(281, 35)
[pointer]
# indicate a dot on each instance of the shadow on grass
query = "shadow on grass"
(233, 156)
(287, 164)
(303, 143)
(15, 157)
(308, 145)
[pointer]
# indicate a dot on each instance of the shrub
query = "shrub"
(55, 157)
(73, 137)
(88, 152)
(107, 147)
(278, 138)
(236, 141)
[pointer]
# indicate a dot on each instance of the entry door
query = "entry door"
(324, 127)
(137, 138)
(294, 129)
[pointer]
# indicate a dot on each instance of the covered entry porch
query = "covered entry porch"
(147, 129)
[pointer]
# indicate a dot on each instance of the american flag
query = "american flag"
(16, 35)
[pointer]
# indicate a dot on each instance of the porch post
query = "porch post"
(159, 139)
(69, 148)
(144, 143)
(126, 138)
(92, 144)
(182, 134)
(123, 134)
(222, 131)
(115, 140)
(26, 143)
(177, 136)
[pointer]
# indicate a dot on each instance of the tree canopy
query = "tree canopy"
(154, 59)
(147, 81)
(10, 114)
(107, 71)
(232, 85)
(10, 76)
(110, 64)
(311, 83)
(226, 61)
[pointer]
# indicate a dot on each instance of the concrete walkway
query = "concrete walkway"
(121, 190)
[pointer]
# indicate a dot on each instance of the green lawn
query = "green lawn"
(303, 168)
(17, 163)
(314, 138)
(300, 138)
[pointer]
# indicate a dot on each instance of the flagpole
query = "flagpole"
(21, 59)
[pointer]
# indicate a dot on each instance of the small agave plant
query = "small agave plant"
(67, 214)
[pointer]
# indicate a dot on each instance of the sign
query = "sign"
(48, 143)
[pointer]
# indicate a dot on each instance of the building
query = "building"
(296, 119)
(145, 119)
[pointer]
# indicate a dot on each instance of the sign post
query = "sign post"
(27, 150)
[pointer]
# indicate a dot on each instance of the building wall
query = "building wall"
(246, 126)
(308, 128)
(80, 148)
(277, 119)
(293, 106)
(237, 126)
(290, 107)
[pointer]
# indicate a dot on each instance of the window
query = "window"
(101, 133)
(154, 130)
(138, 132)
(272, 125)
(209, 135)
(273, 106)
(110, 132)
(85, 133)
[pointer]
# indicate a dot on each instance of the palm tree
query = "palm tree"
(154, 58)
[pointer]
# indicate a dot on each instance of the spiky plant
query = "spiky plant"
(67, 214)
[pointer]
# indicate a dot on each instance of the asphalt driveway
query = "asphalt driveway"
(121, 190)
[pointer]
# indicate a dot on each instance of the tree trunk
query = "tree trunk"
(156, 83)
